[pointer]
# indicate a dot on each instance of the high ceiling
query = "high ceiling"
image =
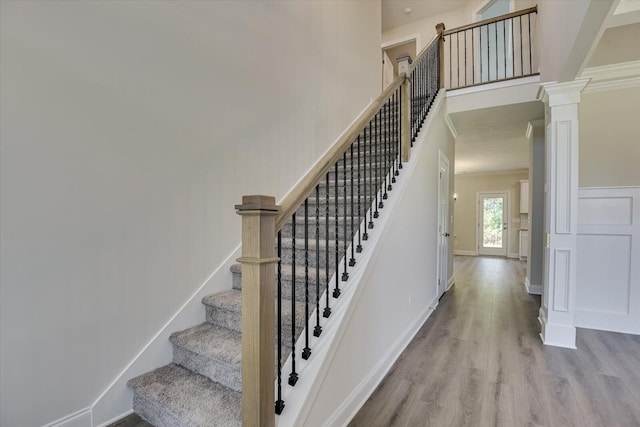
(394, 15)
(493, 139)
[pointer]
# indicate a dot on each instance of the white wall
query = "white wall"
(398, 291)
(129, 130)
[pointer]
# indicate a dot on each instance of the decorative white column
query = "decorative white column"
(561, 217)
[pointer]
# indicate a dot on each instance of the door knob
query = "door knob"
(447, 234)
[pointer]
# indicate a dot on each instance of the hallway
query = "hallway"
(479, 361)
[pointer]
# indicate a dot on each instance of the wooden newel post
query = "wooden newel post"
(258, 309)
(440, 30)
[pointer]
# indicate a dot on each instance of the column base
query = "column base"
(556, 335)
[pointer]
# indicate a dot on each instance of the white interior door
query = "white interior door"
(492, 223)
(443, 225)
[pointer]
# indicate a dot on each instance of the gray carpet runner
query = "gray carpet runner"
(202, 387)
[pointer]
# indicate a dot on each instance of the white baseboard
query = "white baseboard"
(81, 418)
(514, 255)
(451, 281)
(465, 253)
(607, 321)
(532, 289)
(354, 402)
(115, 401)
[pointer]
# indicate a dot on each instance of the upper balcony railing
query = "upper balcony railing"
(493, 50)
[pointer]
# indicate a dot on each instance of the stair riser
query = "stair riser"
(224, 374)
(154, 414)
(233, 320)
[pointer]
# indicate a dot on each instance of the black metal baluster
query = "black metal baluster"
(450, 62)
(488, 54)
(345, 275)
(336, 290)
(359, 247)
(293, 376)
(521, 55)
(370, 180)
(317, 330)
(379, 203)
(279, 402)
(458, 55)
(530, 57)
(387, 118)
(400, 128)
(327, 309)
(480, 51)
(513, 49)
(376, 185)
(504, 45)
(394, 143)
(306, 352)
(495, 26)
(465, 57)
(352, 261)
(473, 58)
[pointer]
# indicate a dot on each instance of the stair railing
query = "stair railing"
(493, 50)
(297, 257)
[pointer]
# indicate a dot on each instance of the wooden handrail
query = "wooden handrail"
(302, 189)
(492, 20)
(422, 52)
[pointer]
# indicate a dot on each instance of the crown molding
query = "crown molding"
(500, 172)
(451, 126)
(555, 94)
(611, 77)
(533, 124)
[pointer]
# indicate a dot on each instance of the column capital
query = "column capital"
(555, 94)
(533, 124)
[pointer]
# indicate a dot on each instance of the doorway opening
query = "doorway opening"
(493, 225)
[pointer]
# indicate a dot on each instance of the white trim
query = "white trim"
(532, 289)
(475, 16)
(506, 218)
(513, 255)
(610, 77)
(451, 126)
(505, 172)
(465, 253)
(627, 6)
(533, 124)
(81, 418)
(403, 40)
(451, 282)
(352, 404)
(443, 163)
(492, 86)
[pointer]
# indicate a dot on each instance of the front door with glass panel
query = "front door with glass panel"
(492, 223)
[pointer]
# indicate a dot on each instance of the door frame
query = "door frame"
(442, 275)
(507, 215)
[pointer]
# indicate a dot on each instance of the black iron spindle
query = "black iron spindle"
(359, 247)
(504, 46)
(317, 330)
(530, 57)
(400, 127)
(327, 309)
(376, 165)
(352, 261)
(495, 27)
(345, 274)
(370, 180)
(385, 149)
(336, 290)
(458, 55)
(473, 58)
(521, 55)
(279, 402)
(293, 376)
(306, 352)
(480, 52)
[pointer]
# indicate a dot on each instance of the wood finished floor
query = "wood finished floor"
(479, 361)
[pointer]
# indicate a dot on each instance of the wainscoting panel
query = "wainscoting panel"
(608, 277)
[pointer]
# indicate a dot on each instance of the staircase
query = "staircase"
(203, 384)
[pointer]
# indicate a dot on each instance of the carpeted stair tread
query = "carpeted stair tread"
(172, 396)
(212, 351)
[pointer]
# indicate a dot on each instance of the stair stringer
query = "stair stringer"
(318, 375)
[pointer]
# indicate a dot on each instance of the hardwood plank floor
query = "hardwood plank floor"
(478, 361)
